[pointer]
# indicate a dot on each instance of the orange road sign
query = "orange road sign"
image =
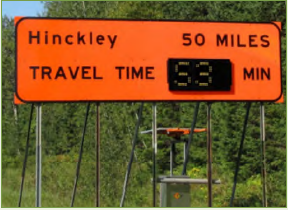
(281, 100)
(73, 60)
(17, 101)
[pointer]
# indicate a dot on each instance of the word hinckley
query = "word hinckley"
(79, 38)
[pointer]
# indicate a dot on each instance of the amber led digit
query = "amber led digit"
(200, 75)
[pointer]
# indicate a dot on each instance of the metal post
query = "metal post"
(263, 154)
(80, 156)
(171, 157)
(185, 150)
(190, 138)
(38, 155)
(98, 155)
(154, 137)
(131, 155)
(26, 156)
(240, 153)
(209, 151)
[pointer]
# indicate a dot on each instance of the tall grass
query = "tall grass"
(58, 175)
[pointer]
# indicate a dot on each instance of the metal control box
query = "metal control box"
(173, 194)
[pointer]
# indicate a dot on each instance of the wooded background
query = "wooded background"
(62, 126)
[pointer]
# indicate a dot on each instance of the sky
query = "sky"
(21, 8)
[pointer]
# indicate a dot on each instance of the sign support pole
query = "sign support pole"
(38, 155)
(97, 154)
(26, 156)
(127, 175)
(188, 144)
(248, 106)
(80, 156)
(209, 151)
(171, 157)
(263, 154)
(184, 150)
(154, 142)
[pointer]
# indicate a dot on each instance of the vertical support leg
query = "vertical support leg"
(38, 155)
(209, 151)
(263, 154)
(154, 137)
(240, 153)
(131, 155)
(185, 150)
(80, 156)
(97, 154)
(190, 138)
(172, 145)
(26, 156)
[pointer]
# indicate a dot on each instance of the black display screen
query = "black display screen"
(200, 74)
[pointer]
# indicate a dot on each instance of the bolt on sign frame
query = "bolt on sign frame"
(127, 60)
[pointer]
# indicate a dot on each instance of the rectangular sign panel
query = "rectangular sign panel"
(69, 60)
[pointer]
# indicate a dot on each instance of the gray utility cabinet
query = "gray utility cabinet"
(174, 193)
